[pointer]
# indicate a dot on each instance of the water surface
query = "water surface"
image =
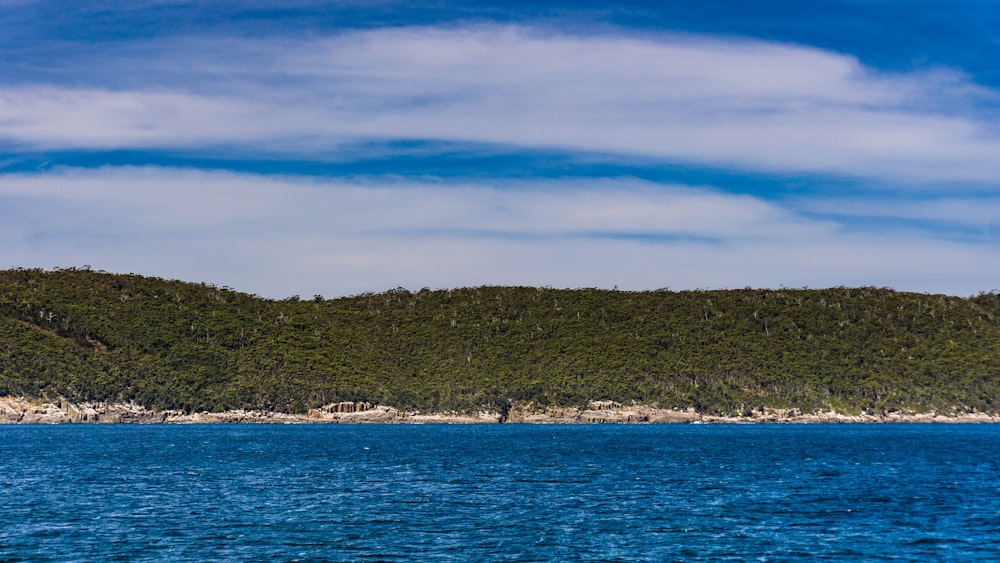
(499, 493)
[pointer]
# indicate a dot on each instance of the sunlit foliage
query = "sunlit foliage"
(91, 335)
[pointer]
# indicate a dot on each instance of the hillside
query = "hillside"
(94, 336)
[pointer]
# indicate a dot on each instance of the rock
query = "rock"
(20, 410)
(11, 410)
(346, 407)
(44, 413)
(483, 417)
(665, 416)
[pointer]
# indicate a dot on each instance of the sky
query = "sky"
(299, 148)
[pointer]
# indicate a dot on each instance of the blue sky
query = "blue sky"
(301, 147)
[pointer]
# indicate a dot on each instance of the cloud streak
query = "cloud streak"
(912, 153)
(737, 103)
(277, 235)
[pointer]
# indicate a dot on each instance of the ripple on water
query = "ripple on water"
(499, 493)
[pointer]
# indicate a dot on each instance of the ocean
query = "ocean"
(500, 493)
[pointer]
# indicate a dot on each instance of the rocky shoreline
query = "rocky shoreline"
(16, 410)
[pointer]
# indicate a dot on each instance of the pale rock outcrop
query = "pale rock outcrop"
(484, 417)
(43, 413)
(600, 412)
(11, 410)
(18, 410)
(348, 412)
(239, 416)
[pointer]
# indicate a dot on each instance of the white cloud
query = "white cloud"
(94, 118)
(743, 103)
(969, 211)
(278, 236)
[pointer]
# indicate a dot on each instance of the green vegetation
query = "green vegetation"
(167, 344)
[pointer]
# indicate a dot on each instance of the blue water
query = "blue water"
(499, 493)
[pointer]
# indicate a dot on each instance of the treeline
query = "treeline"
(89, 335)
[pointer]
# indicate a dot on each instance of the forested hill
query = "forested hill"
(164, 344)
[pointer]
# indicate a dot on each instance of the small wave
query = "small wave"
(936, 541)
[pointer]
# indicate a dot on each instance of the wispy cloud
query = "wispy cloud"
(915, 151)
(722, 102)
(279, 235)
(970, 210)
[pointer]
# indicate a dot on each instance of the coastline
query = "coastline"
(18, 410)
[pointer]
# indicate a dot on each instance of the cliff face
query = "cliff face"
(599, 412)
(22, 411)
(18, 410)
